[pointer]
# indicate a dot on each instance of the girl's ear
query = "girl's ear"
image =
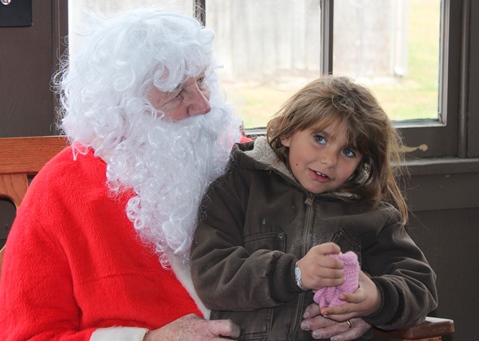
(285, 141)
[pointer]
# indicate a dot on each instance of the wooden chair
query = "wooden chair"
(21, 158)
(433, 329)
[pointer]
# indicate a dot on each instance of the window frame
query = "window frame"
(446, 137)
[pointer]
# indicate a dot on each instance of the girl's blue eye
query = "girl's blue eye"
(200, 80)
(349, 153)
(320, 139)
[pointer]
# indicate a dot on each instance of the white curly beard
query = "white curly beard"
(169, 166)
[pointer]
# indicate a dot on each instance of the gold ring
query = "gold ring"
(349, 324)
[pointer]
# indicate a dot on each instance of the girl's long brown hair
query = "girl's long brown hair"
(331, 100)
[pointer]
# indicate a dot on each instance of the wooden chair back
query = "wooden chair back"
(21, 158)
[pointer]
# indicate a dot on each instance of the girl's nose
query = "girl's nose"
(328, 157)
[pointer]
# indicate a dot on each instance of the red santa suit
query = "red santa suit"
(79, 265)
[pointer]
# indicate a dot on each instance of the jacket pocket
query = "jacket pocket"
(266, 240)
(255, 325)
(347, 243)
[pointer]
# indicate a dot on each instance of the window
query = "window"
(390, 46)
(398, 48)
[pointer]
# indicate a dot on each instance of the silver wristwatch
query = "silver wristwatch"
(297, 275)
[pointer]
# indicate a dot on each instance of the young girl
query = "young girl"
(321, 182)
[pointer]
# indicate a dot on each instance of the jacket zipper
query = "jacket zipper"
(298, 316)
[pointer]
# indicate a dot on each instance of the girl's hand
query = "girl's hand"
(324, 328)
(364, 301)
(318, 270)
(194, 328)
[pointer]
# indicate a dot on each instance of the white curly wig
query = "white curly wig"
(168, 165)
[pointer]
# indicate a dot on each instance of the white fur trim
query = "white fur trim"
(183, 274)
(119, 334)
(262, 152)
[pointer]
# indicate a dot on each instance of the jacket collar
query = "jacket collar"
(263, 153)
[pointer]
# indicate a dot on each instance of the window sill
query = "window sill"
(443, 184)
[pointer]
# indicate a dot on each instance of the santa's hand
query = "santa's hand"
(194, 328)
(324, 328)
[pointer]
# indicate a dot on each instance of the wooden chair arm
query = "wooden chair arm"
(431, 329)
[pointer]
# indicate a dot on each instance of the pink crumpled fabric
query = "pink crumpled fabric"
(329, 296)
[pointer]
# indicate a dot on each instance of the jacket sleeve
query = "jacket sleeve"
(402, 274)
(225, 274)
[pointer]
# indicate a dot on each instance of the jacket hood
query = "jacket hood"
(263, 153)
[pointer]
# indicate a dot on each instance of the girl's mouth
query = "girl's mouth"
(321, 177)
(321, 174)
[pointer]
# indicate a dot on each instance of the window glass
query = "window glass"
(269, 49)
(393, 48)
